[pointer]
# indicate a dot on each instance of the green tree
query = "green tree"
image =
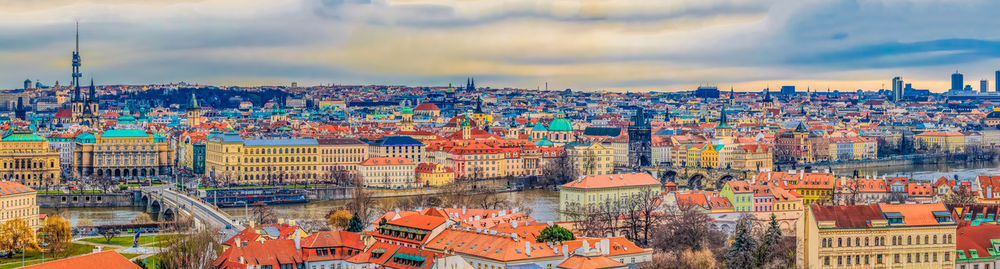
(768, 241)
(741, 252)
(355, 225)
(554, 233)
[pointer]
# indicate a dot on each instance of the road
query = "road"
(208, 214)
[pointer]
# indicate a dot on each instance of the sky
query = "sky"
(598, 45)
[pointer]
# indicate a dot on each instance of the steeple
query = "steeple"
(479, 105)
(93, 91)
(193, 102)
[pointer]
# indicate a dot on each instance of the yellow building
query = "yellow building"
(694, 154)
(591, 158)
(752, 157)
(595, 190)
(122, 154)
(18, 201)
(710, 156)
(231, 159)
(434, 174)
(876, 236)
(941, 141)
(27, 158)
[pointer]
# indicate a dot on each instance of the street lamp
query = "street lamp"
(42, 248)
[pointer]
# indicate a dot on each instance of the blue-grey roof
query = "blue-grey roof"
(396, 141)
(281, 142)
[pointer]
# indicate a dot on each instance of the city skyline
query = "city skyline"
(616, 45)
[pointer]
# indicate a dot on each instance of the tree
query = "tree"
(554, 233)
(963, 195)
(362, 204)
(57, 233)
(741, 252)
(108, 234)
(14, 233)
(84, 222)
(191, 250)
(355, 225)
(768, 241)
(689, 230)
(339, 219)
(263, 214)
(142, 217)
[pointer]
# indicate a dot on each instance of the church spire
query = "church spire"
(93, 91)
(76, 66)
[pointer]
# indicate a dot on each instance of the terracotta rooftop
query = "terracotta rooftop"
(612, 181)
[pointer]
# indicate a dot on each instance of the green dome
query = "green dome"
(126, 119)
(406, 110)
(560, 125)
(543, 142)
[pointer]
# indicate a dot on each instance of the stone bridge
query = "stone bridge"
(697, 178)
(157, 207)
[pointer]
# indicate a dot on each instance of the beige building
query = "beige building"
(231, 159)
(340, 154)
(389, 172)
(876, 236)
(591, 158)
(27, 158)
(18, 201)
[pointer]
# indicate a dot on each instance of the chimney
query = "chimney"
(238, 243)
(298, 241)
(527, 248)
(463, 210)
(565, 250)
(605, 246)
(513, 224)
(586, 245)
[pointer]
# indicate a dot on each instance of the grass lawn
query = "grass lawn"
(87, 191)
(130, 255)
(33, 256)
(126, 241)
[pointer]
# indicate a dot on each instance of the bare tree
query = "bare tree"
(848, 192)
(362, 203)
(263, 214)
(962, 195)
(190, 250)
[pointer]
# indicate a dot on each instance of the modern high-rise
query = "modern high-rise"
(957, 81)
(996, 82)
(897, 89)
(984, 85)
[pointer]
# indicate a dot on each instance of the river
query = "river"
(543, 203)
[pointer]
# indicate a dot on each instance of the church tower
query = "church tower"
(193, 112)
(723, 131)
(466, 128)
(406, 124)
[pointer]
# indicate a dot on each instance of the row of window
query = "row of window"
(897, 258)
(880, 241)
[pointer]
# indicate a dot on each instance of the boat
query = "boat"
(240, 197)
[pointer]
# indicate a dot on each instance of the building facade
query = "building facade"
(27, 158)
(233, 160)
(122, 154)
(876, 236)
(19, 202)
(388, 172)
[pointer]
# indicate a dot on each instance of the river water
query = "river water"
(544, 204)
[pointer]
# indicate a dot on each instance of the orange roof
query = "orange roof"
(386, 161)
(105, 260)
(13, 187)
(418, 221)
(916, 214)
(612, 181)
(597, 262)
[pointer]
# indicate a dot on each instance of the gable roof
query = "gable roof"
(105, 259)
(613, 181)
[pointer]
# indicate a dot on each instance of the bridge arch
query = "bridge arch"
(168, 215)
(696, 181)
(144, 200)
(722, 181)
(155, 207)
(668, 176)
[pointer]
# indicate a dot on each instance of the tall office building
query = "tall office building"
(996, 82)
(984, 85)
(897, 89)
(957, 81)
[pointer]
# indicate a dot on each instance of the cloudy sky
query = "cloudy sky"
(580, 44)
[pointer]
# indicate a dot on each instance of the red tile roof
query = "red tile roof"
(597, 262)
(850, 216)
(612, 181)
(916, 214)
(978, 238)
(104, 260)
(270, 252)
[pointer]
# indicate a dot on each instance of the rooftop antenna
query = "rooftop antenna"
(78, 36)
